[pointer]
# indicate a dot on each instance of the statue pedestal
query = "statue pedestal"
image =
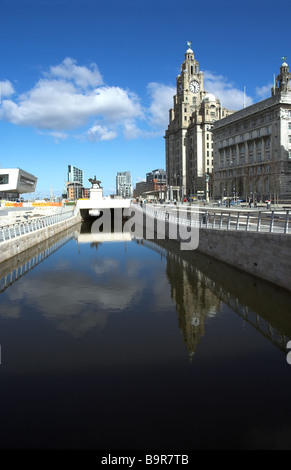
(96, 194)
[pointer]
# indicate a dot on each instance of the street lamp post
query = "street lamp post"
(223, 195)
(207, 186)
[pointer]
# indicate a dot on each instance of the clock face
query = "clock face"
(194, 86)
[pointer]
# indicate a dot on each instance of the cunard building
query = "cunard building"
(252, 148)
(188, 139)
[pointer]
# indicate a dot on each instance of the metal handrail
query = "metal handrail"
(260, 220)
(10, 231)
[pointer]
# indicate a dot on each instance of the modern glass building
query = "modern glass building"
(75, 182)
(14, 181)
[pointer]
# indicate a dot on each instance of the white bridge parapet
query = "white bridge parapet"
(96, 203)
(94, 206)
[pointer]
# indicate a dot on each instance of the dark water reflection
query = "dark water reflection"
(134, 344)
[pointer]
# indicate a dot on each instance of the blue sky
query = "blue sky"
(90, 83)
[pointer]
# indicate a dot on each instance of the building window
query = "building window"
(4, 179)
(25, 180)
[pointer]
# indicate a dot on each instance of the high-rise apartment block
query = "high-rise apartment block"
(155, 185)
(123, 184)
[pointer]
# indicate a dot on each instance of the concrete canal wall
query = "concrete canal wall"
(17, 245)
(266, 255)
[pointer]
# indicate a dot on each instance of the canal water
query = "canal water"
(135, 344)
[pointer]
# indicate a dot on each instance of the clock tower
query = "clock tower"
(190, 81)
(189, 154)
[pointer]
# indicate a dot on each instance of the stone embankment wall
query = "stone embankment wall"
(266, 255)
(13, 247)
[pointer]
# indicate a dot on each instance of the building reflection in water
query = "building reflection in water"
(199, 286)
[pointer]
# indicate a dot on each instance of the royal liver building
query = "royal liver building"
(189, 147)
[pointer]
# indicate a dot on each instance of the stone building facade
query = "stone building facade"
(188, 139)
(252, 148)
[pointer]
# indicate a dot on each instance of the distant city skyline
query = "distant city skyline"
(91, 84)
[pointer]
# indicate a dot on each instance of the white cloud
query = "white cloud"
(82, 76)
(56, 103)
(229, 96)
(116, 104)
(131, 131)
(161, 102)
(58, 135)
(264, 91)
(6, 88)
(97, 133)
(69, 96)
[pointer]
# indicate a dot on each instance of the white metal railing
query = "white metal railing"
(10, 231)
(256, 220)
